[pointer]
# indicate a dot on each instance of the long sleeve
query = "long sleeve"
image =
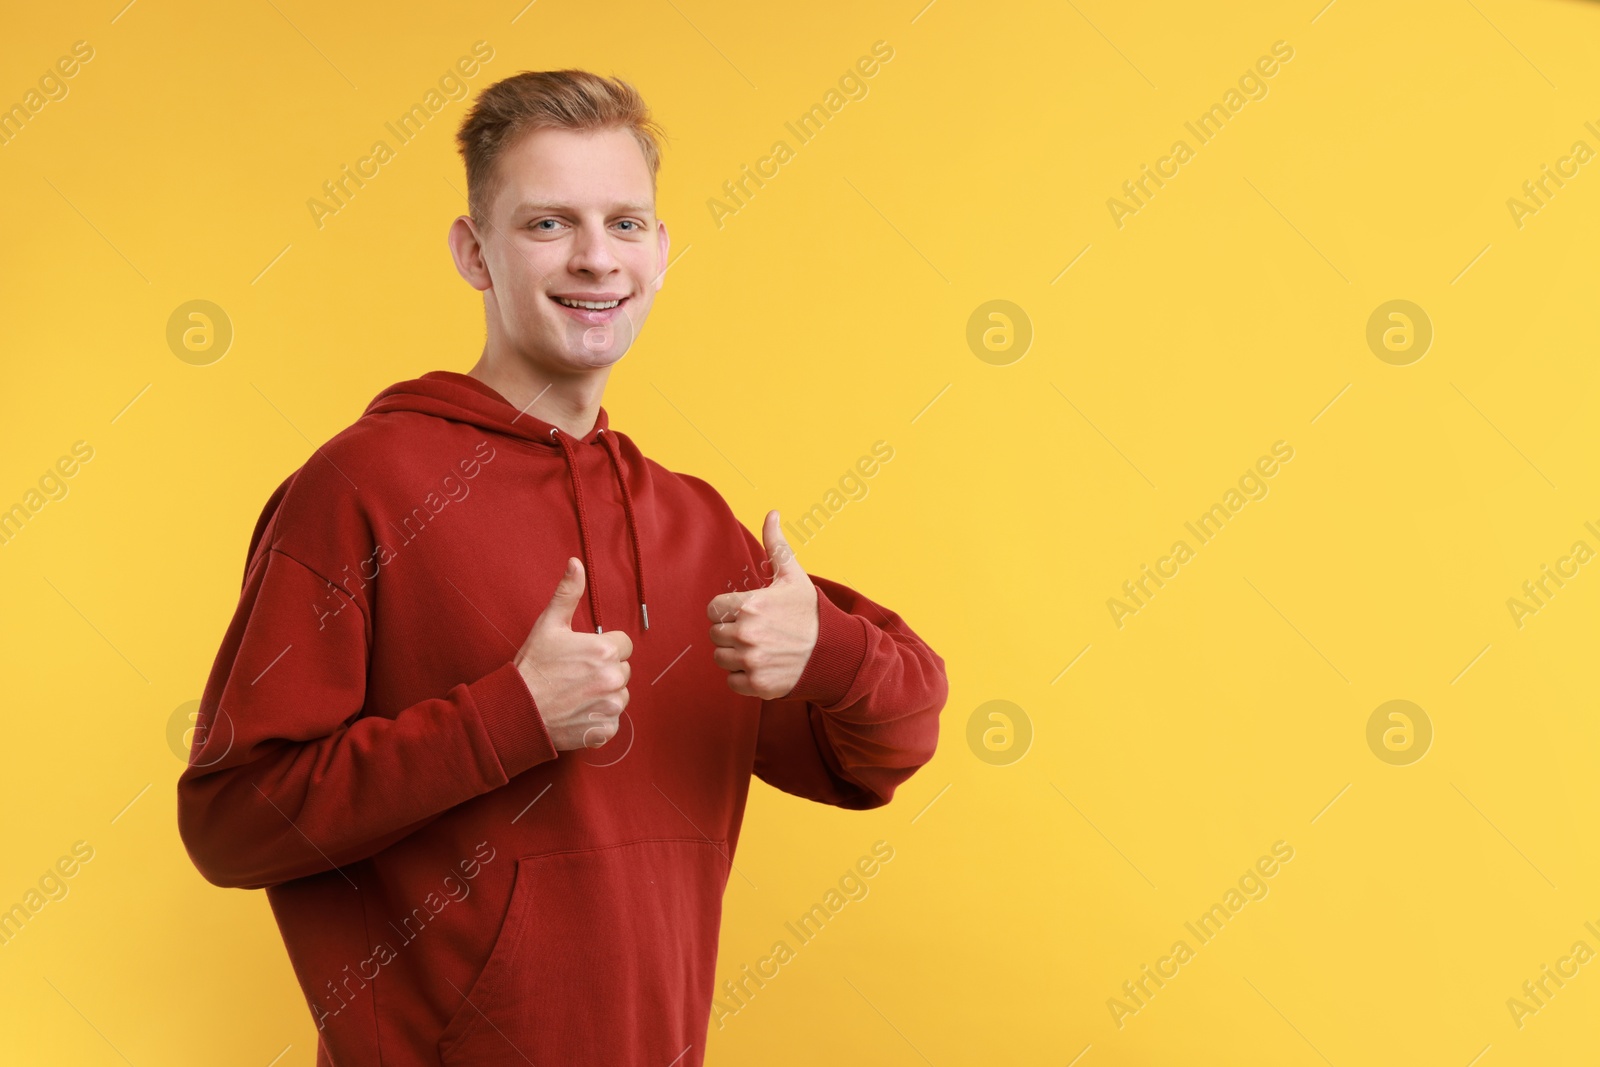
(864, 714)
(288, 778)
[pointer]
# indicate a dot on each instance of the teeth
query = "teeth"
(588, 305)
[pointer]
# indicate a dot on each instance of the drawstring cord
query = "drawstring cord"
(633, 527)
(583, 529)
(583, 525)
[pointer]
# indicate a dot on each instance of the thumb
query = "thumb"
(784, 565)
(564, 601)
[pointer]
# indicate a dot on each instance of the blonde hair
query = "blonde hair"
(548, 99)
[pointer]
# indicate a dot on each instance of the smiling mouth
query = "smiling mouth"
(587, 305)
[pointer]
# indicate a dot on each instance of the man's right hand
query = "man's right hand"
(578, 680)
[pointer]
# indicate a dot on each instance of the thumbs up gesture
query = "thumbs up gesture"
(763, 637)
(579, 681)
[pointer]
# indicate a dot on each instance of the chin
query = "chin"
(597, 360)
(600, 346)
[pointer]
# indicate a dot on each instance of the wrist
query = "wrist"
(512, 719)
(836, 658)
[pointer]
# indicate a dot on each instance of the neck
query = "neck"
(571, 402)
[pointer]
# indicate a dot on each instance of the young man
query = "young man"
(493, 804)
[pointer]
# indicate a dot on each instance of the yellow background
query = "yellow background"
(826, 315)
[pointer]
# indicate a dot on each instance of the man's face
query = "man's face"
(572, 219)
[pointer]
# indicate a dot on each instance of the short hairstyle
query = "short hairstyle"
(547, 99)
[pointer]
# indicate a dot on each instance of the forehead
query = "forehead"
(598, 169)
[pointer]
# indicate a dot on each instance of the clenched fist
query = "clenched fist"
(578, 680)
(763, 637)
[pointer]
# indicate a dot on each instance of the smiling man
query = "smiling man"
(484, 722)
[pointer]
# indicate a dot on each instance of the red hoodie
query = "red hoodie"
(450, 889)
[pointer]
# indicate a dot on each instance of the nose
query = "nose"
(591, 252)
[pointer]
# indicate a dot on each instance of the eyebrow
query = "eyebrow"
(529, 205)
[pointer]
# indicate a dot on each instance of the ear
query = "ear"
(467, 251)
(665, 243)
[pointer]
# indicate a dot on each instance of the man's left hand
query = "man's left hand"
(764, 637)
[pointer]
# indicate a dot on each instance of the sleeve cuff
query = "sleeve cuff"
(512, 719)
(836, 660)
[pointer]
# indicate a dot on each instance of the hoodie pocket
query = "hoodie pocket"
(606, 955)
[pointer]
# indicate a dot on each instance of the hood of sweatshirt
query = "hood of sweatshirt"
(451, 888)
(463, 398)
